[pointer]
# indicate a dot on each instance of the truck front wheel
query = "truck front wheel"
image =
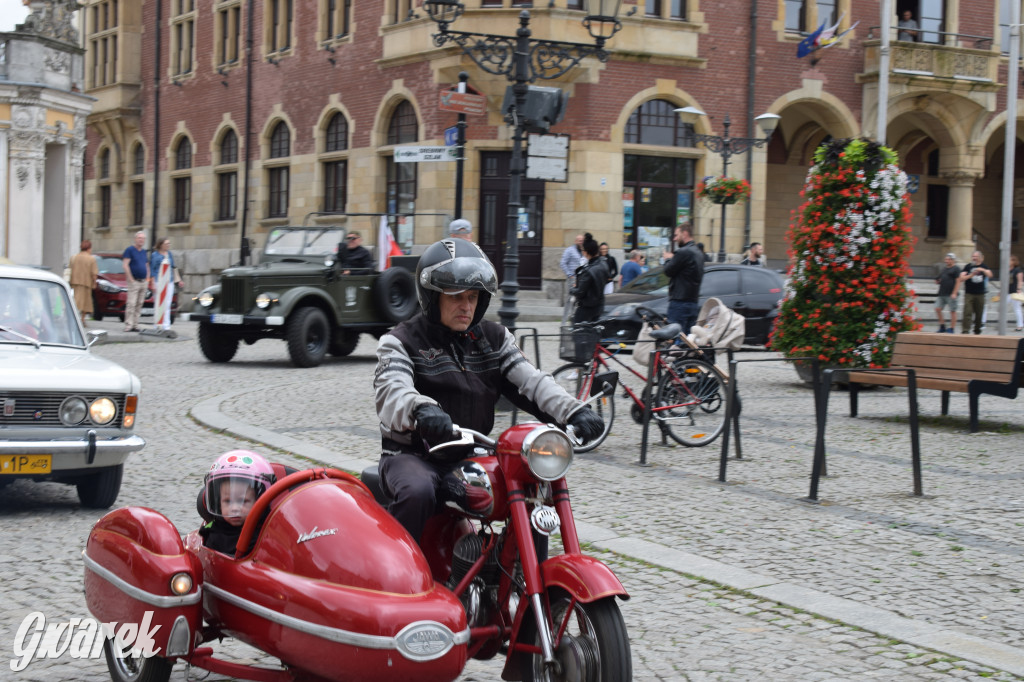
(308, 336)
(216, 346)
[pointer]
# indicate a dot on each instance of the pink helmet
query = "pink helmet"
(245, 466)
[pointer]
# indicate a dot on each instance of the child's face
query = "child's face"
(236, 500)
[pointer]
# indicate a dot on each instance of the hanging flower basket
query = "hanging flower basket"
(723, 190)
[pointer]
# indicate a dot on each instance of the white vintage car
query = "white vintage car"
(67, 415)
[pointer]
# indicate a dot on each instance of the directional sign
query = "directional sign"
(463, 103)
(451, 136)
(417, 154)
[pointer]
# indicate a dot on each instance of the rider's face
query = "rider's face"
(457, 309)
(236, 500)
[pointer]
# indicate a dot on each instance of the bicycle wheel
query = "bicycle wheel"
(694, 395)
(576, 379)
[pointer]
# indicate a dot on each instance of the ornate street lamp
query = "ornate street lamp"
(523, 60)
(727, 146)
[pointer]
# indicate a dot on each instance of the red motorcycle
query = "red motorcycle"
(335, 588)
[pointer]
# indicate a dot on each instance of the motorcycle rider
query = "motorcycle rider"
(230, 490)
(447, 364)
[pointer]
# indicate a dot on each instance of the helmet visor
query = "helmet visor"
(232, 497)
(460, 274)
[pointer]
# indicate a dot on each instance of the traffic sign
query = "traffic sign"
(463, 103)
(451, 136)
(417, 154)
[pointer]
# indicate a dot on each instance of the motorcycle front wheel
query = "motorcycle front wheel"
(128, 668)
(593, 648)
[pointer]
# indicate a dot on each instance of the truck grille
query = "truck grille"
(43, 409)
(233, 296)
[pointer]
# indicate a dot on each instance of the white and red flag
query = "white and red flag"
(386, 245)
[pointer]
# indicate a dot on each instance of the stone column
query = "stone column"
(27, 157)
(960, 211)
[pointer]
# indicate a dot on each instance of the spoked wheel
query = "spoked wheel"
(594, 646)
(576, 379)
(128, 668)
(697, 393)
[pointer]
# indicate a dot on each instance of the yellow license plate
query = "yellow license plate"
(25, 464)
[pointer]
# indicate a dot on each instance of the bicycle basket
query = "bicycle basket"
(577, 345)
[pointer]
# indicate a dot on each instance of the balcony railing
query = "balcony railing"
(960, 57)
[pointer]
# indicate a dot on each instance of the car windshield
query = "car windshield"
(306, 242)
(109, 265)
(38, 310)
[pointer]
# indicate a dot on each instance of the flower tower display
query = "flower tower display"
(850, 244)
(723, 190)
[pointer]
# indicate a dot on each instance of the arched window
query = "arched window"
(335, 165)
(278, 179)
(105, 164)
(658, 189)
(401, 177)
(138, 160)
(227, 177)
(656, 122)
(182, 182)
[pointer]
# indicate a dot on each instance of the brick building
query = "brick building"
(235, 141)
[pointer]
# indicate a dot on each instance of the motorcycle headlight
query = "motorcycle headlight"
(73, 411)
(102, 411)
(548, 453)
(206, 299)
(264, 301)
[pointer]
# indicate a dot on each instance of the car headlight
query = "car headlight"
(264, 301)
(73, 411)
(102, 411)
(206, 299)
(548, 453)
(109, 287)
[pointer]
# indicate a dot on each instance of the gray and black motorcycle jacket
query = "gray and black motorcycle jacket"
(420, 362)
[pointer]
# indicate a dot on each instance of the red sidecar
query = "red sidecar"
(334, 587)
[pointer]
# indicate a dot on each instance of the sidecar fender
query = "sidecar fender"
(130, 558)
(584, 577)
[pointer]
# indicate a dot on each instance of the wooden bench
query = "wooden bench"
(971, 364)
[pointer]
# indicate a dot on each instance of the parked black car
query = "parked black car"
(756, 293)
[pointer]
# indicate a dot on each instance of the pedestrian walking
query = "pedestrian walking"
(136, 274)
(84, 271)
(572, 258)
(590, 282)
(632, 268)
(755, 256)
(460, 228)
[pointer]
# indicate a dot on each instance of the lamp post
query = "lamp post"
(523, 60)
(726, 147)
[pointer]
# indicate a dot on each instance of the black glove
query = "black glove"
(433, 424)
(587, 424)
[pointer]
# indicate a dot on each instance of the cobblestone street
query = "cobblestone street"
(738, 581)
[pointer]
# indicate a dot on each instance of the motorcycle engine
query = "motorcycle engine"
(478, 598)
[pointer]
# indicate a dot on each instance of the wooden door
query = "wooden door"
(494, 184)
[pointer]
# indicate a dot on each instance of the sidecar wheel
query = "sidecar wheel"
(131, 669)
(594, 648)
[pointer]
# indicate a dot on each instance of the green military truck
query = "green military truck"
(300, 293)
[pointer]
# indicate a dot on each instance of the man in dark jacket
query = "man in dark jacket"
(355, 256)
(447, 364)
(685, 268)
(590, 281)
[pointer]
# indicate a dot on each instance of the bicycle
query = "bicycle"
(689, 392)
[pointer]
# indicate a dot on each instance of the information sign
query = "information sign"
(417, 154)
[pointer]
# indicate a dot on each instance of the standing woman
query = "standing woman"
(590, 281)
(1017, 287)
(163, 289)
(84, 271)
(613, 268)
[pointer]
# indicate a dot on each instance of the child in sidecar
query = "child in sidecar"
(229, 492)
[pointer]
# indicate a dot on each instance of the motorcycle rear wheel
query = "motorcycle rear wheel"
(128, 668)
(594, 647)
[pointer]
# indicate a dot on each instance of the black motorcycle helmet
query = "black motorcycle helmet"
(453, 266)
